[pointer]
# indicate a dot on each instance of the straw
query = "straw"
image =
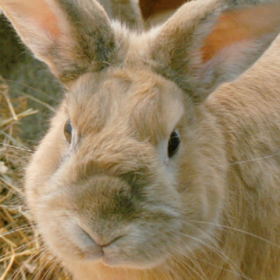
(22, 253)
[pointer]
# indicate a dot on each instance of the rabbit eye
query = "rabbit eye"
(174, 143)
(68, 131)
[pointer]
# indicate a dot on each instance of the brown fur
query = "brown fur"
(112, 205)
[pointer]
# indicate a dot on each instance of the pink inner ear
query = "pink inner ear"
(241, 25)
(38, 11)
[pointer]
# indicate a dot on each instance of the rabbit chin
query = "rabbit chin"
(110, 259)
(140, 262)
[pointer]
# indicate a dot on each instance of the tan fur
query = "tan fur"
(112, 205)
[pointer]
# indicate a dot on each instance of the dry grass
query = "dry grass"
(22, 254)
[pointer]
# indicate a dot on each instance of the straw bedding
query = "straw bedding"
(22, 255)
(24, 84)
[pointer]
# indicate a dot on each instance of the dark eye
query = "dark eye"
(68, 131)
(174, 143)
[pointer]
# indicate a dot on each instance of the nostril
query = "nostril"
(101, 240)
(111, 242)
(89, 248)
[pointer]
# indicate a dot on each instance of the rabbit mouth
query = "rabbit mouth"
(130, 247)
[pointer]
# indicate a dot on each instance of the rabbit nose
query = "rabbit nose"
(115, 239)
(100, 241)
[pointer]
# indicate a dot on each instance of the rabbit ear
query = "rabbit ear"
(207, 43)
(71, 36)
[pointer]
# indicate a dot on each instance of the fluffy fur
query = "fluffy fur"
(111, 204)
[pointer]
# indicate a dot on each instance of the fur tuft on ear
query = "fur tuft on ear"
(207, 42)
(71, 36)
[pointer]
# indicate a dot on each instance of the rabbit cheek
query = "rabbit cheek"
(66, 239)
(202, 179)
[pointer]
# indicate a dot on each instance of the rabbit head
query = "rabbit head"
(134, 155)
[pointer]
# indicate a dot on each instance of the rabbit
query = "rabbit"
(162, 161)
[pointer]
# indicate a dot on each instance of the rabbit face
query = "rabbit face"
(114, 194)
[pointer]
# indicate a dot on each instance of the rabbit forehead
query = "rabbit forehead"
(138, 101)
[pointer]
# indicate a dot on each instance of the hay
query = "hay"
(22, 254)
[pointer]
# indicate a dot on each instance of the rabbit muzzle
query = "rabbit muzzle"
(106, 218)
